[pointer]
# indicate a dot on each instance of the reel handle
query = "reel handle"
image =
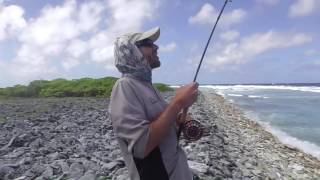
(184, 113)
(192, 129)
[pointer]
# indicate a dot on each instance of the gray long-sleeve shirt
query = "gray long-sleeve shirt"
(134, 105)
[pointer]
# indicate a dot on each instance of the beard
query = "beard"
(154, 61)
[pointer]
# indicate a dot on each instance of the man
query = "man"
(144, 124)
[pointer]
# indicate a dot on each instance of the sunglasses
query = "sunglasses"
(145, 43)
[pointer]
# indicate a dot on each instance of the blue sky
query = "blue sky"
(257, 41)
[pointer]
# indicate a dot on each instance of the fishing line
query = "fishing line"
(192, 129)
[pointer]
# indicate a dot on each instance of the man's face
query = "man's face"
(150, 51)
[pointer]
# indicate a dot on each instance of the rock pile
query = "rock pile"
(72, 138)
(68, 138)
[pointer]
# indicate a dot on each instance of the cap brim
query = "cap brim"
(152, 34)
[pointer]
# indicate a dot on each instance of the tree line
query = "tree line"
(84, 87)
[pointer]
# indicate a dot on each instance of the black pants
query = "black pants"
(152, 167)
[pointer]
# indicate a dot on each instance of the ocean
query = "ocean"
(290, 112)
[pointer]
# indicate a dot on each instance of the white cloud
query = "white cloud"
(69, 34)
(11, 21)
(234, 17)
(168, 47)
(103, 54)
(208, 14)
(69, 63)
(101, 47)
(49, 40)
(204, 15)
(90, 16)
(55, 25)
(230, 35)
(121, 20)
(77, 48)
(124, 18)
(62, 23)
(303, 8)
(244, 50)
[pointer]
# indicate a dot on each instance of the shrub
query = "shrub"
(84, 87)
(162, 87)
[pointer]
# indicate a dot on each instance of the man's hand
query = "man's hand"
(186, 95)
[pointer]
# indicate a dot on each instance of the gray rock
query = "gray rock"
(17, 152)
(111, 166)
(225, 162)
(121, 174)
(62, 177)
(246, 172)
(57, 155)
(54, 156)
(226, 172)
(36, 143)
(76, 170)
(39, 178)
(78, 132)
(48, 173)
(274, 174)
(6, 171)
(256, 172)
(90, 165)
(29, 174)
(22, 178)
(13, 141)
(197, 167)
(237, 175)
(63, 165)
(89, 175)
(44, 150)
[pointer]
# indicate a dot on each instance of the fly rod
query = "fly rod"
(193, 130)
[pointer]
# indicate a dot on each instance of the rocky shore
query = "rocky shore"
(239, 148)
(72, 138)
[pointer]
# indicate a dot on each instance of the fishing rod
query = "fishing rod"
(192, 129)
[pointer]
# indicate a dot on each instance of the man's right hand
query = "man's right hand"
(186, 95)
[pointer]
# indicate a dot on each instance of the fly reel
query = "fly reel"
(192, 130)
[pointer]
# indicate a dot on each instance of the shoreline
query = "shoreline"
(281, 136)
(286, 139)
(254, 150)
(62, 138)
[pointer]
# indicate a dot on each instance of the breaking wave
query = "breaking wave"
(315, 89)
(283, 137)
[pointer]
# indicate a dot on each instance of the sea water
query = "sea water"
(290, 112)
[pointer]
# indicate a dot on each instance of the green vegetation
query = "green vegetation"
(105, 178)
(3, 120)
(85, 87)
(162, 87)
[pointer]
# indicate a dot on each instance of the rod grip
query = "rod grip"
(184, 116)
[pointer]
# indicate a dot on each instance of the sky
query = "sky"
(256, 41)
